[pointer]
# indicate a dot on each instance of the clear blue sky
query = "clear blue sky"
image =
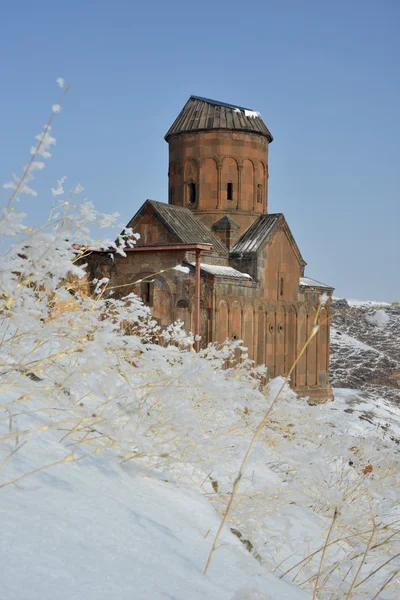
(324, 74)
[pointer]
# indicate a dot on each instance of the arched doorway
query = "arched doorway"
(182, 314)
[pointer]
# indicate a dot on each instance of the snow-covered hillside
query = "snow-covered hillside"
(96, 525)
(101, 527)
(98, 529)
(365, 347)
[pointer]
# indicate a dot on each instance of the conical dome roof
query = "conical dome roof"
(202, 114)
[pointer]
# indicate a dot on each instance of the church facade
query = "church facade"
(253, 285)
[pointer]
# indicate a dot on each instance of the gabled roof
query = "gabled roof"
(182, 223)
(225, 223)
(254, 238)
(201, 114)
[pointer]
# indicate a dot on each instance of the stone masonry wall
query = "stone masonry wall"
(215, 172)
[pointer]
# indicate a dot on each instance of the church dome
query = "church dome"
(203, 114)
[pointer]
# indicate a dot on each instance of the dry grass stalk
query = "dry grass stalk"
(377, 569)
(5, 461)
(364, 556)
(110, 288)
(335, 514)
(307, 560)
(385, 585)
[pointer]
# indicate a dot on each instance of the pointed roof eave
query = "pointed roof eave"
(142, 211)
(139, 213)
(289, 235)
(261, 231)
(226, 222)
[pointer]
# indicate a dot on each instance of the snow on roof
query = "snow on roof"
(254, 237)
(253, 114)
(221, 271)
(200, 114)
(308, 282)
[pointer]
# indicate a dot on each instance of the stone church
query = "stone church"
(252, 283)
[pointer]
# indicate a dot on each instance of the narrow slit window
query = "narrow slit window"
(192, 193)
(281, 287)
(146, 292)
(229, 190)
(259, 193)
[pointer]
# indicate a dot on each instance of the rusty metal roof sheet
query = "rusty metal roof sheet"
(201, 114)
(308, 282)
(223, 271)
(255, 236)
